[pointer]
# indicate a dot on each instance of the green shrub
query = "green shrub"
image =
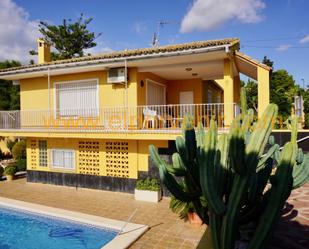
(1, 171)
(21, 165)
(148, 184)
(19, 150)
(10, 170)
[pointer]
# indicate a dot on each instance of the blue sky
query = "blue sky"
(276, 28)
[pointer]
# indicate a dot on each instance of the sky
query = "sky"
(278, 29)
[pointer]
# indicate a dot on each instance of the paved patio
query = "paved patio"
(166, 229)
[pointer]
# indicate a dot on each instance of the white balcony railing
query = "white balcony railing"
(157, 118)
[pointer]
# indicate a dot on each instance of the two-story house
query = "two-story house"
(88, 121)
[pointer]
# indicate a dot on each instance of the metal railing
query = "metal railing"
(151, 118)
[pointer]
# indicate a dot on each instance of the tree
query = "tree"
(9, 97)
(306, 108)
(282, 92)
(252, 94)
(268, 62)
(70, 39)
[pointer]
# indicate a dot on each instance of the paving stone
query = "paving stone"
(166, 229)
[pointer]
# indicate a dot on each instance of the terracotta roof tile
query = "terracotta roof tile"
(135, 52)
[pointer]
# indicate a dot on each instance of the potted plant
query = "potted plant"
(186, 211)
(148, 190)
(9, 172)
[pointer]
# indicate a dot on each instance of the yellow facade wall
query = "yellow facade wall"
(263, 90)
(143, 152)
(227, 83)
(174, 87)
(141, 90)
(36, 96)
(114, 157)
(34, 92)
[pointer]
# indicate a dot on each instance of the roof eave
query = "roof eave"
(14, 74)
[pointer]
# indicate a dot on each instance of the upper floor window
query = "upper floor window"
(77, 98)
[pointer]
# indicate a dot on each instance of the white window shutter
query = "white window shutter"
(77, 98)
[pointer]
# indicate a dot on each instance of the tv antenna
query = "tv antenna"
(156, 35)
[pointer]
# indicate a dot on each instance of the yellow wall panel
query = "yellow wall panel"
(116, 158)
(174, 87)
(263, 90)
(143, 152)
(34, 92)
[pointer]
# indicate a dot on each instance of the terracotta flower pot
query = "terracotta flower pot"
(194, 219)
(9, 177)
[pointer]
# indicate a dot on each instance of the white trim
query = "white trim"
(158, 83)
(76, 81)
(62, 168)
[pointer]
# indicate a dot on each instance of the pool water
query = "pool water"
(24, 230)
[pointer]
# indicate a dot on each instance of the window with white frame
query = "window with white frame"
(77, 98)
(63, 159)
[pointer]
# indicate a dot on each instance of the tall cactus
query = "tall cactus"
(233, 172)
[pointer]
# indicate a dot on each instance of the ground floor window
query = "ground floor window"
(63, 159)
(43, 153)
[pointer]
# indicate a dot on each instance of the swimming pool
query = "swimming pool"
(31, 231)
(25, 225)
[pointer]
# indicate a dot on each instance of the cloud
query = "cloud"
(304, 39)
(283, 47)
(139, 27)
(205, 15)
(18, 33)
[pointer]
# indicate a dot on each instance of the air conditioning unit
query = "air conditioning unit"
(116, 75)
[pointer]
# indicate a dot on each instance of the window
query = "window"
(79, 98)
(43, 153)
(155, 93)
(63, 159)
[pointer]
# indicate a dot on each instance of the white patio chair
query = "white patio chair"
(149, 117)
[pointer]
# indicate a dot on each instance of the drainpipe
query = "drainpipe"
(48, 83)
(126, 91)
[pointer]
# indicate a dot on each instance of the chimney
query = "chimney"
(43, 51)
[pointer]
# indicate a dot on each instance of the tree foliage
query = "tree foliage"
(70, 39)
(252, 94)
(268, 62)
(282, 92)
(306, 107)
(9, 97)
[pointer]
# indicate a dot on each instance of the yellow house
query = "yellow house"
(88, 121)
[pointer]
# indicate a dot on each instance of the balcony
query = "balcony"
(139, 119)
